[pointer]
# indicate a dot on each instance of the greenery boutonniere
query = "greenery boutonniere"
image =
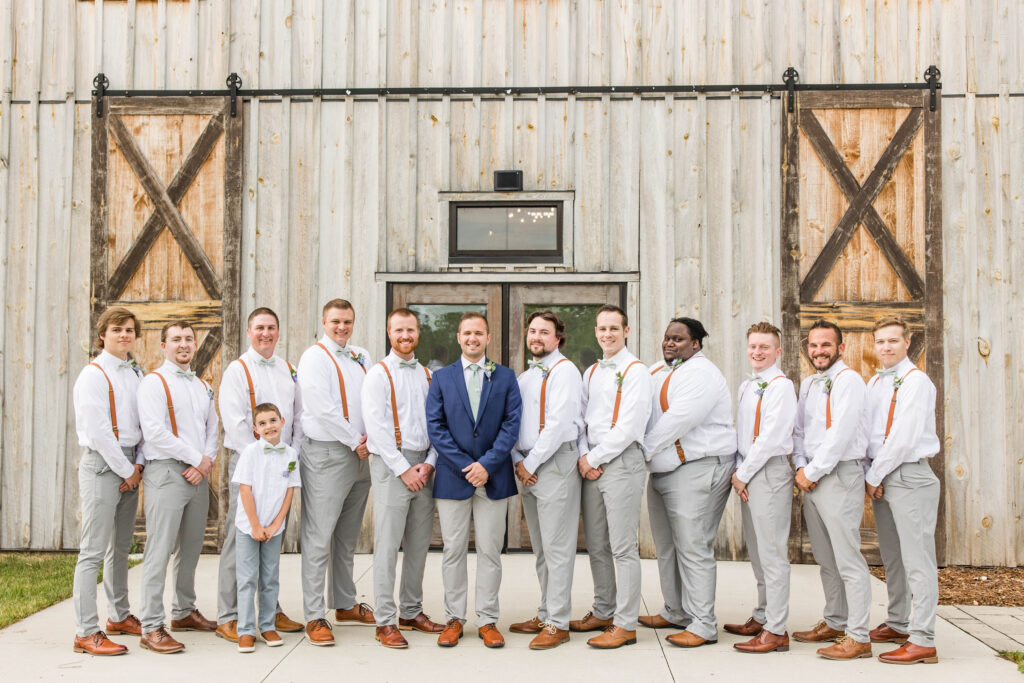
(828, 386)
(290, 468)
(619, 377)
(676, 363)
(761, 386)
(358, 358)
(489, 368)
(897, 382)
(295, 375)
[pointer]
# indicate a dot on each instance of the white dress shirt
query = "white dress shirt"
(563, 419)
(699, 414)
(92, 411)
(323, 417)
(270, 473)
(411, 397)
(273, 383)
(778, 415)
(817, 449)
(194, 415)
(912, 435)
(600, 442)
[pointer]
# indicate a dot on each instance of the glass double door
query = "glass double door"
(506, 307)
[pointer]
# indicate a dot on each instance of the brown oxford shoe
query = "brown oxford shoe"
(688, 639)
(821, 633)
(160, 642)
(271, 638)
(549, 637)
(845, 648)
(361, 614)
(764, 642)
(129, 626)
(246, 643)
(285, 625)
(318, 632)
(451, 634)
(422, 623)
(657, 621)
(613, 637)
(884, 634)
(751, 627)
(98, 644)
(589, 623)
(390, 636)
(193, 622)
(491, 636)
(534, 625)
(228, 631)
(908, 653)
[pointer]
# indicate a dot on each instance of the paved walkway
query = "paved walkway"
(39, 648)
(1001, 628)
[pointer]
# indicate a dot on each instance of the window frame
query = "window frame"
(458, 256)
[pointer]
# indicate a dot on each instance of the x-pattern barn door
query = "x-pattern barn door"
(862, 236)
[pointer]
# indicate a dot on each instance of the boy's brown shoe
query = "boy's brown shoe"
(129, 626)
(160, 642)
(589, 623)
(549, 637)
(271, 639)
(228, 631)
(846, 648)
(318, 632)
(98, 644)
(821, 633)
(246, 643)
(193, 622)
(285, 625)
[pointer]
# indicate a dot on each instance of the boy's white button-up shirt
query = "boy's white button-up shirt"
(600, 442)
(92, 411)
(323, 417)
(778, 416)
(273, 383)
(817, 449)
(563, 419)
(270, 474)
(194, 413)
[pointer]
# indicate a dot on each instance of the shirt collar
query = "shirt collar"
(771, 372)
(466, 362)
(623, 356)
(108, 360)
(550, 359)
(254, 356)
(172, 368)
(904, 366)
(395, 359)
(836, 368)
(332, 345)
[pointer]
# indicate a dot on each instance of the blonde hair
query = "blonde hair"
(765, 327)
(889, 321)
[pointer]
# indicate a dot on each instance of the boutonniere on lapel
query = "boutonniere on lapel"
(828, 386)
(136, 368)
(619, 378)
(489, 368)
(289, 469)
(761, 386)
(897, 382)
(294, 374)
(358, 358)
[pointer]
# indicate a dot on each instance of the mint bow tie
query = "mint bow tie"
(187, 374)
(820, 377)
(536, 364)
(265, 361)
(407, 363)
(754, 377)
(279, 448)
(606, 363)
(124, 365)
(881, 372)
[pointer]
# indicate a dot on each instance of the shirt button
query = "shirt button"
(474, 435)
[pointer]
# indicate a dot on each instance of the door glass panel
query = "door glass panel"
(581, 345)
(438, 325)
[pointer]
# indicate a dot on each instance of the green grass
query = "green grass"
(30, 582)
(1014, 656)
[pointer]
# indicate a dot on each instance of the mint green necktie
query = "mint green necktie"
(474, 387)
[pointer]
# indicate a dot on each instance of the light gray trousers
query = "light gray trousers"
(108, 521)
(905, 517)
(552, 508)
(766, 520)
(685, 507)
(489, 535)
(401, 518)
(611, 521)
(335, 486)
(175, 523)
(833, 511)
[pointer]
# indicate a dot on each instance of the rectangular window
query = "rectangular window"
(504, 232)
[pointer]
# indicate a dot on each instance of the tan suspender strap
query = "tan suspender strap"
(757, 411)
(618, 393)
(828, 400)
(341, 381)
(663, 399)
(543, 392)
(394, 404)
(428, 374)
(110, 398)
(252, 395)
(590, 375)
(170, 403)
(892, 405)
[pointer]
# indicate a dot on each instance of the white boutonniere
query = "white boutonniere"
(761, 386)
(489, 368)
(288, 470)
(358, 357)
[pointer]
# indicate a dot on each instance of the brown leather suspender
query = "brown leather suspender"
(394, 401)
(170, 403)
(341, 380)
(110, 398)
(828, 400)
(543, 392)
(663, 399)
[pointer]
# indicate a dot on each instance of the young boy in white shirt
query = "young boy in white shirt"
(267, 476)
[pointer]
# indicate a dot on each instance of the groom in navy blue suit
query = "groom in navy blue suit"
(473, 411)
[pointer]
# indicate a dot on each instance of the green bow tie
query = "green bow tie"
(187, 374)
(279, 448)
(408, 363)
(536, 364)
(606, 363)
(265, 361)
(754, 377)
(881, 372)
(124, 365)
(820, 377)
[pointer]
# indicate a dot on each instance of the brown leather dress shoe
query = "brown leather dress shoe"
(193, 622)
(589, 623)
(160, 642)
(884, 634)
(764, 642)
(549, 637)
(751, 627)
(318, 632)
(246, 643)
(421, 622)
(657, 621)
(285, 625)
(821, 633)
(908, 653)
(612, 638)
(271, 638)
(98, 644)
(688, 639)
(228, 631)
(846, 648)
(129, 626)
(491, 636)
(390, 636)
(361, 614)
(534, 625)
(451, 634)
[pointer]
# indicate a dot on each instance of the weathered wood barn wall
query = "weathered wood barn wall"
(679, 195)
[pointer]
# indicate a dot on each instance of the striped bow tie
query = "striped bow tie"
(279, 448)
(407, 363)
(606, 363)
(187, 374)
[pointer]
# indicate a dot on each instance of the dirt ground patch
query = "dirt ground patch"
(996, 586)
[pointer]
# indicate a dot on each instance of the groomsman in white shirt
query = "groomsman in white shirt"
(691, 451)
(257, 376)
(899, 424)
(335, 472)
(765, 416)
(616, 406)
(107, 422)
(179, 426)
(402, 465)
(828, 446)
(545, 464)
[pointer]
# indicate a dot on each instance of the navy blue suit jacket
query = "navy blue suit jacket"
(460, 440)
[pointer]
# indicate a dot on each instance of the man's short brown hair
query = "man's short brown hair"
(113, 316)
(265, 408)
(405, 312)
(765, 327)
(611, 308)
(262, 310)
(552, 318)
(473, 315)
(183, 324)
(337, 303)
(889, 321)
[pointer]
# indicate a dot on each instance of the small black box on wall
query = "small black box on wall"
(508, 181)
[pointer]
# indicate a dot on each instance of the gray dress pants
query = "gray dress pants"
(905, 517)
(335, 486)
(833, 511)
(766, 520)
(108, 521)
(611, 521)
(552, 508)
(401, 518)
(685, 507)
(176, 514)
